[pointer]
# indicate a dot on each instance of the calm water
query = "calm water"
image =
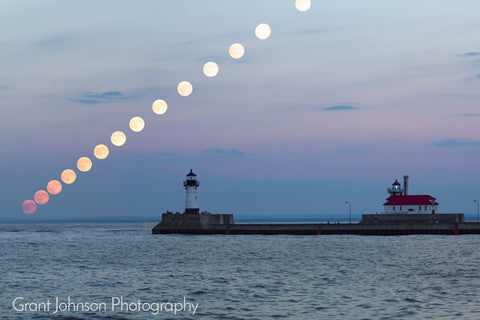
(236, 277)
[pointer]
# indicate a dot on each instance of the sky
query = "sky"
(335, 105)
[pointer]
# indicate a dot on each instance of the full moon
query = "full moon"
(41, 197)
(68, 176)
(118, 138)
(29, 206)
(137, 124)
(210, 69)
(263, 31)
(236, 51)
(54, 187)
(159, 106)
(303, 5)
(101, 151)
(84, 164)
(185, 88)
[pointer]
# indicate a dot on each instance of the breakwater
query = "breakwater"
(371, 224)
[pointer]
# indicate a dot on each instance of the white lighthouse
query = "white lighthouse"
(191, 185)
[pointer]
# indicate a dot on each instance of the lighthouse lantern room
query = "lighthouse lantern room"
(396, 189)
(191, 185)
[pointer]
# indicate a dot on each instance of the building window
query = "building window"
(425, 207)
(419, 208)
(400, 208)
(393, 208)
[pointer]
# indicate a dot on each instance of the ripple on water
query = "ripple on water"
(245, 277)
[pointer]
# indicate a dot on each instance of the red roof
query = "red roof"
(396, 183)
(414, 200)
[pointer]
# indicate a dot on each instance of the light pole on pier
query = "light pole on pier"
(477, 208)
(350, 211)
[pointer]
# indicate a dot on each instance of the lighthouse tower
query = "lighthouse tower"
(191, 185)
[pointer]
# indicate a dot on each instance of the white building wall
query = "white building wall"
(410, 209)
(191, 198)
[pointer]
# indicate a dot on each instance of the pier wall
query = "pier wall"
(179, 221)
(395, 224)
(406, 218)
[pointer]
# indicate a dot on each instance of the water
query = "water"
(238, 277)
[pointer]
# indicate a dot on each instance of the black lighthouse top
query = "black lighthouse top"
(191, 180)
(191, 174)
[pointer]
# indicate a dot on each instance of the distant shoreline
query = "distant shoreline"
(79, 220)
(245, 219)
(240, 219)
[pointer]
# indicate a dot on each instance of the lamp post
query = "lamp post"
(477, 208)
(350, 211)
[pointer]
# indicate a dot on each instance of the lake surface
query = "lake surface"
(122, 271)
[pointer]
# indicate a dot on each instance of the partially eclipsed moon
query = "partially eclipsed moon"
(137, 124)
(118, 138)
(210, 69)
(54, 187)
(185, 88)
(303, 5)
(101, 151)
(263, 31)
(159, 106)
(84, 164)
(29, 206)
(236, 51)
(68, 176)
(41, 197)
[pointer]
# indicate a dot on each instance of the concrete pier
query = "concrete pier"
(379, 225)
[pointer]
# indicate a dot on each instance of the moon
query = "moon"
(303, 5)
(210, 69)
(185, 88)
(54, 187)
(84, 164)
(101, 151)
(68, 176)
(29, 206)
(41, 197)
(137, 124)
(118, 138)
(159, 106)
(263, 31)
(236, 51)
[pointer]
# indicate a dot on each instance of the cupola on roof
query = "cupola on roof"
(191, 174)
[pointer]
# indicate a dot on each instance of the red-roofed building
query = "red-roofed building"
(400, 202)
